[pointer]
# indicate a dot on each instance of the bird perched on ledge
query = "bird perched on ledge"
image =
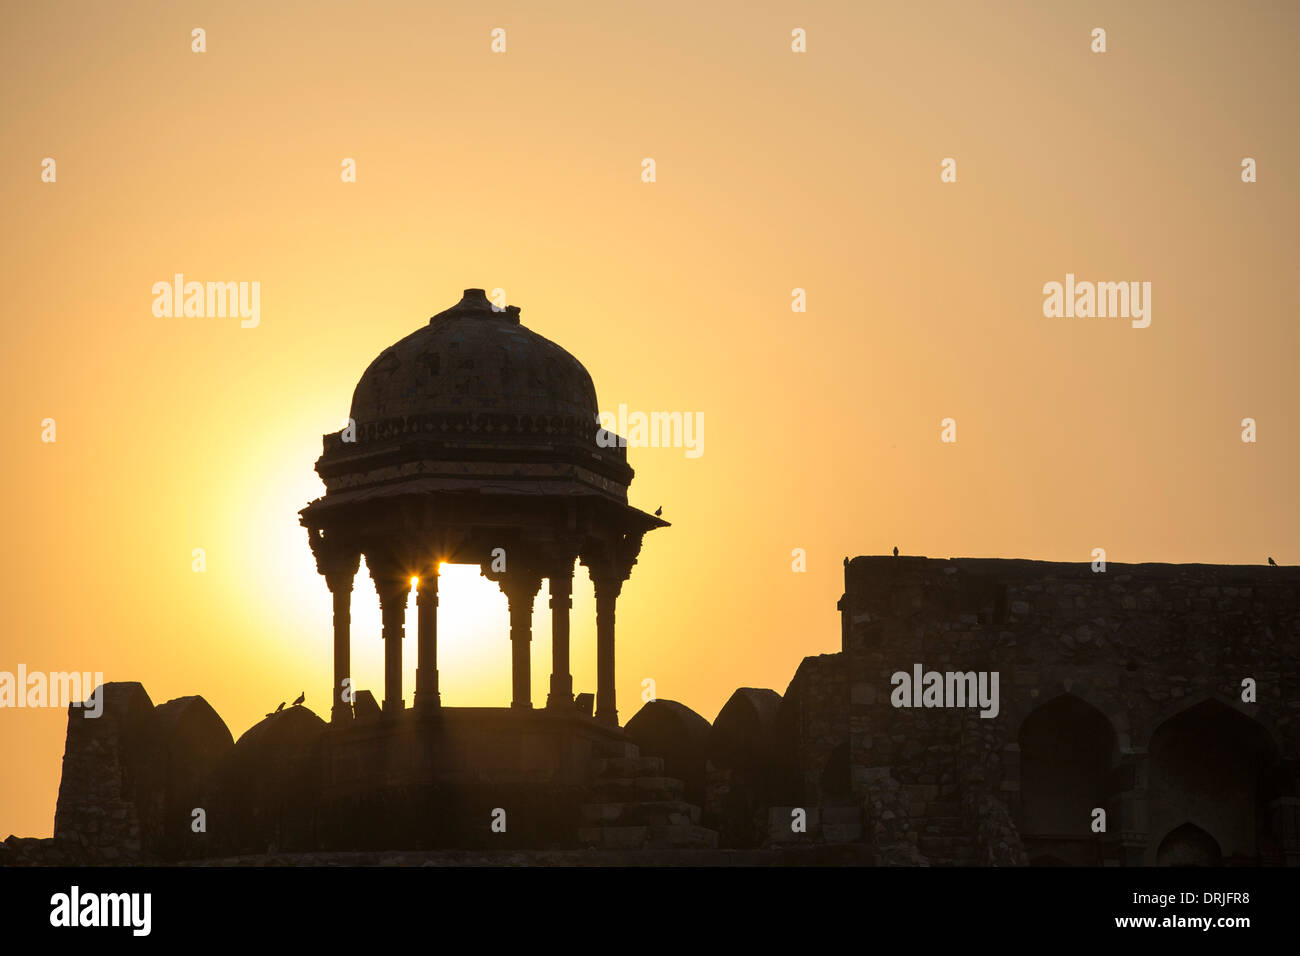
(895, 550)
(301, 698)
(277, 710)
(1272, 562)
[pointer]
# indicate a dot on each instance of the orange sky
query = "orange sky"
(522, 171)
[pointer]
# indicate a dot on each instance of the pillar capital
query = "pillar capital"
(519, 586)
(561, 586)
(609, 561)
(336, 560)
(426, 587)
(393, 595)
(340, 580)
(392, 577)
(607, 584)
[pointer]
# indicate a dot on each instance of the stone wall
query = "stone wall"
(1106, 664)
(131, 780)
(812, 729)
(110, 799)
(1119, 699)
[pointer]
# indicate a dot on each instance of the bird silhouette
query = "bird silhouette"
(277, 710)
(301, 698)
(895, 550)
(1272, 562)
(659, 511)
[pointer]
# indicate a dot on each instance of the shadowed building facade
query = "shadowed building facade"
(1163, 696)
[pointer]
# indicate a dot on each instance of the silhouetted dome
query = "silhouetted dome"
(197, 734)
(266, 786)
(471, 359)
(743, 733)
(287, 732)
(668, 729)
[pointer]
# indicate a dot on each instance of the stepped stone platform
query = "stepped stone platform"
(636, 807)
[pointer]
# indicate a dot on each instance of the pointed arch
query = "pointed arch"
(1232, 702)
(1068, 748)
(1208, 763)
(1188, 845)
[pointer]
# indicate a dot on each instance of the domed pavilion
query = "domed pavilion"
(473, 440)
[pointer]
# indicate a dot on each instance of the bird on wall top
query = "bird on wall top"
(895, 550)
(659, 511)
(277, 710)
(1272, 562)
(301, 698)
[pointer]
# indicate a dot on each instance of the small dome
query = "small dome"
(469, 359)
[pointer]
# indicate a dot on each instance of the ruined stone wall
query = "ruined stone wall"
(1135, 646)
(109, 808)
(132, 778)
(811, 723)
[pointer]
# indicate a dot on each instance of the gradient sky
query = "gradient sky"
(522, 171)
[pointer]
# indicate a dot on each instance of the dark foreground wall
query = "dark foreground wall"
(1120, 691)
(1144, 715)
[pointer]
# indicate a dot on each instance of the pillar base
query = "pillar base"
(340, 713)
(560, 696)
(426, 698)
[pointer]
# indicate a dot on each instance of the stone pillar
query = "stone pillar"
(521, 590)
(394, 590)
(426, 669)
(339, 578)
(1132, 799)
(561, 693)
(608, 587)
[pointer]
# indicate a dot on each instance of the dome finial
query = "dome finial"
(472, 302)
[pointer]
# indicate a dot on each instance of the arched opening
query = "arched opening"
(1188, 845)
(1208, 763)
(1067, 749)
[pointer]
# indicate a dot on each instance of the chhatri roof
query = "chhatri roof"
(472, 358)
(473, 406)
